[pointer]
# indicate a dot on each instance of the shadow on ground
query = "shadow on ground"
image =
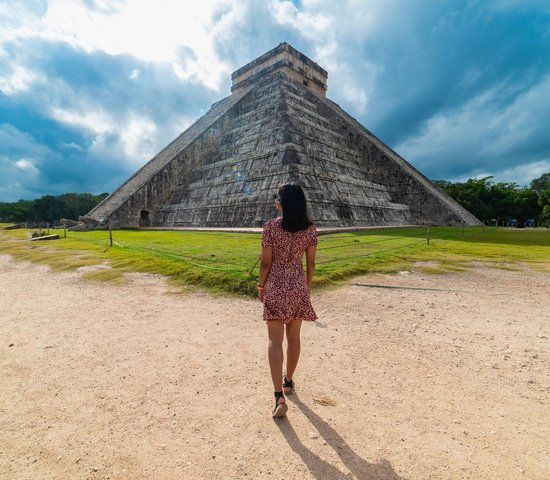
(320, 468)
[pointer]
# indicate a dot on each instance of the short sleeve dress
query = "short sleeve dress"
(286, 296)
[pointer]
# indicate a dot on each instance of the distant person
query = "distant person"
(282, 287)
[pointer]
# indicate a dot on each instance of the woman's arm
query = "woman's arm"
(310, 264)
(265, 267)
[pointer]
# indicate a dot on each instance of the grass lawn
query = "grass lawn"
(227, 262)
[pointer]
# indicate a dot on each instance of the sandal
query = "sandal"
(280, 408)
(288, 386)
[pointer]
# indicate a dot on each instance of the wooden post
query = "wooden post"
(427, 234)
(48, 227)
(110, 235)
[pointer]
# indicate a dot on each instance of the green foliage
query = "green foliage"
(16, 212)
(500, 202)
(50, 208)
(541, 186)
(546, 215)
(542, 183)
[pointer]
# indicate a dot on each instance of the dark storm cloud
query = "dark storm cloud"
(116, 89)
(458, 88)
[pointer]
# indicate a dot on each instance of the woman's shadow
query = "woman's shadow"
(320, 468)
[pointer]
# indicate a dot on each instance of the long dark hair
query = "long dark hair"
(292, 199)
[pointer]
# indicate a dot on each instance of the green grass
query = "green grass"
(227, 262)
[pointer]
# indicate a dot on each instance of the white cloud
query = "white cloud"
(97, 121)
(520, 174)
(150, 31)
(523, 174)
(133, 135)
(331, 28)
(26, 165)
(138, 139)
(71, 145)
(309, 24)
(19, 79)
(483, 131)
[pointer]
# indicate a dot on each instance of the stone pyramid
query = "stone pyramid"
(278, 126)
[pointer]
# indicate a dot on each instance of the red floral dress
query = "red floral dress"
(286, 295)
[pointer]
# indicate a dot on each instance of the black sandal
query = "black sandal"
(280, 408)
(288, 386)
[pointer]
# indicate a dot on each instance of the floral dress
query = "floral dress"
(286, 295)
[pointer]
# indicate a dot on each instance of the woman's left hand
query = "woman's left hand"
(261, 295)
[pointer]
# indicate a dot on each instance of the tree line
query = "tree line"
(49, 208)
(503, 203)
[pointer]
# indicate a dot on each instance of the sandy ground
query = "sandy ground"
(137, 382)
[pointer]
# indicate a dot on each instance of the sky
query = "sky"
(90, 90)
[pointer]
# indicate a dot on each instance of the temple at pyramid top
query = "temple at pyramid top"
(287, 59)
(278, 126)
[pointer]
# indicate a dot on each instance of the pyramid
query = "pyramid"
(278, 126)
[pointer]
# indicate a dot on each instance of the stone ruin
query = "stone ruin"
(278, 126)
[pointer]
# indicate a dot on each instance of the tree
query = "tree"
(541, 186)
(47, 209)
(50, 208)
(19, 211)
(500, 201)
(473, 195)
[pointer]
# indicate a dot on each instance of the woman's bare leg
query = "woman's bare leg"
(293, 346)
(275, 330)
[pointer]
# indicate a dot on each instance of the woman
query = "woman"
(282, 287)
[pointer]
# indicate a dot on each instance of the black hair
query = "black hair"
(292, 199)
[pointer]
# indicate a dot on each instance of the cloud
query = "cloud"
(111, 123)
(520, 174)
(456, 89)
(149, 31)
(71, 145)
(26, 165)
(17, 79)
(459, 89)
(19, 162)
(483, 135)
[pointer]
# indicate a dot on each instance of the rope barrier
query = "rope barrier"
(357, 243)
(169, 254)
(371, 253)
(191, 260)
(373, 285)
(181, 257)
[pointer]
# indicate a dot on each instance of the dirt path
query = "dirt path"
(134, 381)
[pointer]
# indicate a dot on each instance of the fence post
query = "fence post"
(110, 235)
(427, 234)
(48, 228)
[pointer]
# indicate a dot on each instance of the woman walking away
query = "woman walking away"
(282, 287)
